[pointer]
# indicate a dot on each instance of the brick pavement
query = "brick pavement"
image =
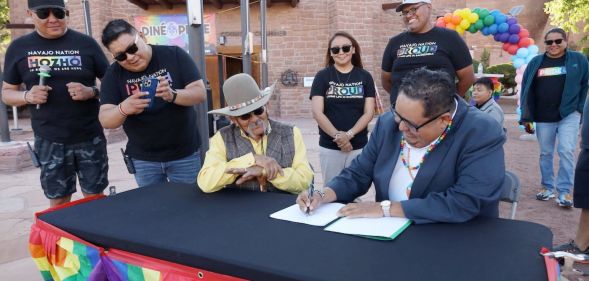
(21, 196)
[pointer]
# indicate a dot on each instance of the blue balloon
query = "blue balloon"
(514, 57)
(485, 30)
(500, 18)
(518, 62)
(502, 27)
(513, 38)
(504, 37)
(493, 29)
(515, 28)
(511, 21)
(522, 53)
(495, 12)
(533, 49)
(530, 57)
(496, 37)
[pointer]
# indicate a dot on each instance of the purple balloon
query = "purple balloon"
(511, 21)
(513, 38)
(514, 28)
(504, 37)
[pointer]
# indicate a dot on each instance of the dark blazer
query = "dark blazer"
(459, 180)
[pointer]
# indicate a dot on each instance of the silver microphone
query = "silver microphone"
(43, 75)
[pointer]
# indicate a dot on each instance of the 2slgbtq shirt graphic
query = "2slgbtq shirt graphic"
(58, 60)
(417, 50)
(345, 90)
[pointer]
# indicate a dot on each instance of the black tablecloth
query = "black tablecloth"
(230, 232)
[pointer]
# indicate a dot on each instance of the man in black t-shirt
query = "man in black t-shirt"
(69, 140)
(150, 91)
(423, 44)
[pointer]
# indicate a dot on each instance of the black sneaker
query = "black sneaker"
(572, 248)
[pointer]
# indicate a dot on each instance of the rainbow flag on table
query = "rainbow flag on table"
(61, 256)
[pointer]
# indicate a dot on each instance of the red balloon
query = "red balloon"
(524, 42)
(506, 46)
(512, 50)
(440, 22)
(524, 33)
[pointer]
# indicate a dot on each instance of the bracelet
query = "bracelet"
(24, 97)
(350, 134)
(337, 135)
(320, 192)
(121, 110)
(174, 95)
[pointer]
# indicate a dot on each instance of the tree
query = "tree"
(4, 18)
(485, 58)
(569, 14)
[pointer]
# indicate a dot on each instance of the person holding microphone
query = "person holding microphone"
(59, 67)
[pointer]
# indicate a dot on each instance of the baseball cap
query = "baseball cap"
(409, 2)
(40, 4)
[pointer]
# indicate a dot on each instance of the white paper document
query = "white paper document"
(377, 228)
(323, 215)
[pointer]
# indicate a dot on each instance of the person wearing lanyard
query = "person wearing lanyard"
(431, 159)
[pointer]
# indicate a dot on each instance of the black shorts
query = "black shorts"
(61, 163)
(581, 191)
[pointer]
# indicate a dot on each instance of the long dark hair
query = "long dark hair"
(356, 57)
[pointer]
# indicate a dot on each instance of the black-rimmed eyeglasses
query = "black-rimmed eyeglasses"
(412, 11)
(130, 50)
(258, 111)
(44, 13)
(412, 127)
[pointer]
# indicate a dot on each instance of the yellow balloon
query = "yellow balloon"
(465, 24)
(460, 30)
(467, 11)
(457, 13)
(473, 17)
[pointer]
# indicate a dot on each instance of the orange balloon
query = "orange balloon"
(448, 17)
(456, 20)
(451, 26)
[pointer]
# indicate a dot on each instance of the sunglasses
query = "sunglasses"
(345, 48)
(57, 13)
(259, 111)
(130, 50)
(549, 42)
(412, 127)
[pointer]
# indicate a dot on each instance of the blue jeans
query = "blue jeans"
(183, 170)
(566, 131)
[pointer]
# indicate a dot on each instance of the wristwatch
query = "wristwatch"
(95, 91)
(386, 206)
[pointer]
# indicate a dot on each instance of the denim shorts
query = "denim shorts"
(62, 163)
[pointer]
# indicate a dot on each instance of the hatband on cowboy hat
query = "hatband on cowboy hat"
(243, 95)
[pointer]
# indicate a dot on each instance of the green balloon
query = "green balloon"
(489, 20)
(476, 11)
(472, 29)
(483, 13)
(479, 24)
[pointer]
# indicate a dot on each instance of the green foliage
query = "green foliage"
(475, 65)
(507, 70)
(585, 51)
(568, 14)
(4, 18)
(485, 57)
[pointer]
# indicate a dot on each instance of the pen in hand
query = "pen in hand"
(310, 198)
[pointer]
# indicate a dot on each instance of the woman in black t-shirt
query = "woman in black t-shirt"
(342, 97)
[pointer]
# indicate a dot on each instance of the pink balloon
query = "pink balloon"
(524, 33)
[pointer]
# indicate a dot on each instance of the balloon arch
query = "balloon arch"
(504, 28)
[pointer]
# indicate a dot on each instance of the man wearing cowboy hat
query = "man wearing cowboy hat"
(254, 152)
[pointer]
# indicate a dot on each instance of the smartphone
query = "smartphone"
(149, 85)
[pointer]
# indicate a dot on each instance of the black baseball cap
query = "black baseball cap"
(40, 4)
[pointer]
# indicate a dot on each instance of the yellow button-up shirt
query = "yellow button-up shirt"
(212, 176)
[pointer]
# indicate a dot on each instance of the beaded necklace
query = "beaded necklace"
(407, 162)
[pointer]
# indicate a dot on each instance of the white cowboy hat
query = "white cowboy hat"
(242, 95)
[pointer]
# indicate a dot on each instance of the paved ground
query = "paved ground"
(21, 195)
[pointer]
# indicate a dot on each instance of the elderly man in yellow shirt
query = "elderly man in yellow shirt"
(254, 152)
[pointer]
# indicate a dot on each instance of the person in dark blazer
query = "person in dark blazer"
(433, 158)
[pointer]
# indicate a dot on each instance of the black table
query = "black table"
(230, 232)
